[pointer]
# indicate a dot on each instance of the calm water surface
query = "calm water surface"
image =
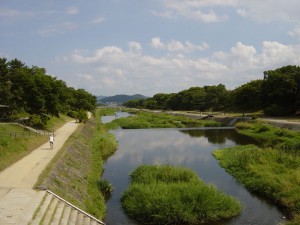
(182, 147)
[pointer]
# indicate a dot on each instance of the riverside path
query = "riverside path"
(18, 200)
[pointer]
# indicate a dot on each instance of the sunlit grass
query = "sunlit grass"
(274, 173)
(16, 142)
(75, 171)
(174, 195)
(159, 120)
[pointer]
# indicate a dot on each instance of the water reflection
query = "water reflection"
(118, 114)
(189, 148)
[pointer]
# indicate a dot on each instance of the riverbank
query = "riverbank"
(272, 170)
(17, 141)
(75, 172)
(17, 199)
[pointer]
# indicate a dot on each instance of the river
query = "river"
(190, 148)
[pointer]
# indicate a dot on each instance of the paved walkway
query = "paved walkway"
(17, 196)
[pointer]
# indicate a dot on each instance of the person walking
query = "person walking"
(51, 139)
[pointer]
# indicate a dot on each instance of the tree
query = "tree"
(281, 90)
(33, 91)
(248, 96)
(216, 97)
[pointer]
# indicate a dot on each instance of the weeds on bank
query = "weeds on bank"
(103, 145)
(106, 111)
(175, 195)
(270, 172)
(14, 148)
(161, 120)
(270, 135)
(76, 170)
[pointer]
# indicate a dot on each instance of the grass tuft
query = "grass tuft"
(175, 195)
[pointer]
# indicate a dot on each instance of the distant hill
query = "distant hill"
(100, 97)
(120, 99)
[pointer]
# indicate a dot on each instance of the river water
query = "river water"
(190, 148)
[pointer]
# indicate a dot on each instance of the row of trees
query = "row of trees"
(30, 90)
(278, 93)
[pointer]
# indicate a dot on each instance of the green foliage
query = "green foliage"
(280, 90)
(75, 173)
(103, 145)
(33, 91)
(159, 120)
(82, 116)
(270, 135)
(275, 110)
(14, 148)
(37, 121)
(174, 195)
(195, 98)
(271, 172)
(105, 187)
(277, 94)
(248, 96)
(105, 111)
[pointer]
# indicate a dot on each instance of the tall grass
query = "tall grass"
(106, 111)
(159, 120)
(270, 135)
(12, 149)
(174, 195)
(271, 172)
(103, 145)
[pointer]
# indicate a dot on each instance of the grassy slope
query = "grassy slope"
(75, 172)
(273, 169)
(12, 149)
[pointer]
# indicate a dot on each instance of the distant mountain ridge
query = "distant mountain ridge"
(120, 99)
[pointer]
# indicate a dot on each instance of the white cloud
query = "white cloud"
(205, 10)
(177, 46)
(268, 11)
(295, 32)
(135, 47)
(15, 14)
(98, 20)
(57, 29)
(201, 10)
(104, 54)
(117, 71)
(72, 10)
(165, 14)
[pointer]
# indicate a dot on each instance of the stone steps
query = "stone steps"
(54, 210)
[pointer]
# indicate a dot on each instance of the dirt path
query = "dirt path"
(24, 173)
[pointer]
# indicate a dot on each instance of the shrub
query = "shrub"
(105, 187)
(275, 110)
(36, 121)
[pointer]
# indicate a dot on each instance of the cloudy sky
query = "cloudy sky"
(113, 47)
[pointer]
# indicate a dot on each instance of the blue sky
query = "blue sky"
(113, 47)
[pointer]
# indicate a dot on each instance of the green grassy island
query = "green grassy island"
(174, 195)
(272, 170)
(143, 120)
